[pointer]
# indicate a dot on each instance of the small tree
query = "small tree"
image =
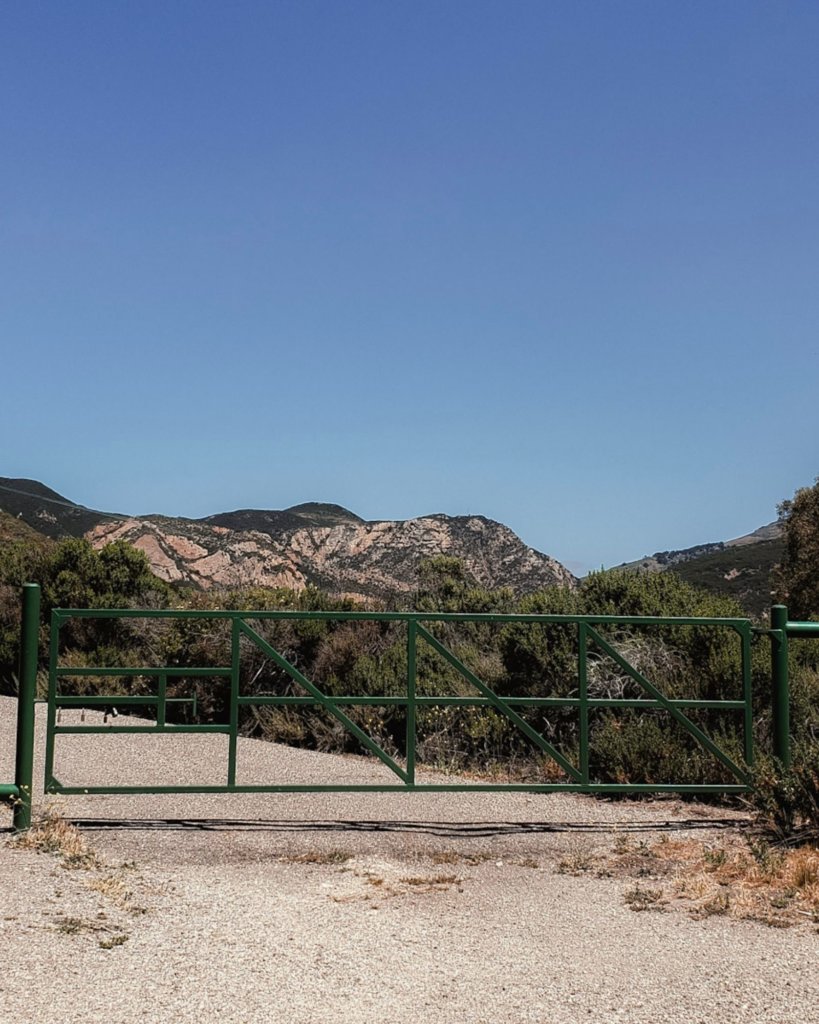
(797, 578)
(445, 585)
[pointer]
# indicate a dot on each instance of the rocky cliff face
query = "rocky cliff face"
(314, 543)
(337, 552)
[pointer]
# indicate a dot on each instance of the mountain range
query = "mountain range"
(330, 547)
(317, 544)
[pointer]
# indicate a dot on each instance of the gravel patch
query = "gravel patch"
(362, 907)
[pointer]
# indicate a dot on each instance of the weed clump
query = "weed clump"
(786, 801)
(320, 857)
(748, 880)
(640, 898)
(54, 835)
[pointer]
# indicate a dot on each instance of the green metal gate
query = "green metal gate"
(576, 776)
(419, 628)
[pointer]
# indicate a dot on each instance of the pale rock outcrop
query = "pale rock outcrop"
(353, 557)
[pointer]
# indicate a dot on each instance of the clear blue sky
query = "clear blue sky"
(556, 263)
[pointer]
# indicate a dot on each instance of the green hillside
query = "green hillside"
(742, 572)
(318, 513)
(14, 531)
(45, 510)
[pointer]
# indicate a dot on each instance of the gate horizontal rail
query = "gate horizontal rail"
(739, 624)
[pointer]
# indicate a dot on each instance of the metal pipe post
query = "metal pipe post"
(781, 688)
(24, 762)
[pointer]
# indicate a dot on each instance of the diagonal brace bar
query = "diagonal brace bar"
(500, 705)
(667, 705)
(323, 699)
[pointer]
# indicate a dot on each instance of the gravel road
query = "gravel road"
(358, 907)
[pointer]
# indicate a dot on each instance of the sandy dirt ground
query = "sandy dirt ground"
(465, 908)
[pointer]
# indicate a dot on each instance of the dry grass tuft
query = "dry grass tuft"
(749, 880)
(53, 835)
(319, 857)
(432, 883)
(446, 857)
(114, 889)
(576, 863)
(67, 925)
(718, 904)
(639, 898)
(455, 857)
(800, 871)
(58, 837)
(578, 859)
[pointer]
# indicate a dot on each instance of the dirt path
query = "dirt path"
(346, 907)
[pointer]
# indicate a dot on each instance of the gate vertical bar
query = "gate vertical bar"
(779, 679)
(583, 694)
(24, 759)
(411, 684)
(162, 696)
(53, 655)
(747, 696)
(234, 699)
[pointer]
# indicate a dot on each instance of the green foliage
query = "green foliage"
(646, 747)
(804, 691)
(23, 563)
(787, 802)
(541, 659)
(619, 592)
(9, 636)
(744, 573)
(798, 577)
(445, 586)
(73, 574)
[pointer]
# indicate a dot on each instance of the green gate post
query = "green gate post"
(781, 691)
(24, 763)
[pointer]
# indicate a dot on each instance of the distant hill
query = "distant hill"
(314, 543)
(741, 568)
(14, 531)
(317, 514)
(740, 572)
(311, 513)
(661, 560)
(45, 510)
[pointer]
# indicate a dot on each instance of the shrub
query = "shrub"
(787, 801)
